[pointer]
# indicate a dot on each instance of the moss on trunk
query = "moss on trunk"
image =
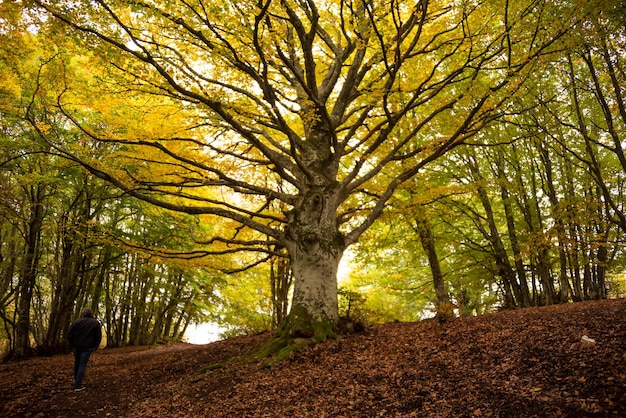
(299, 330)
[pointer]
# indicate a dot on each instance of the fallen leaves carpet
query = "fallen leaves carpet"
(524, 363)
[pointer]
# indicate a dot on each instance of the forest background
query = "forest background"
(490, 168)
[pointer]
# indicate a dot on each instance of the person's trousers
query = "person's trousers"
(80, 365)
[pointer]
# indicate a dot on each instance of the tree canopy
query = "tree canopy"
(290, 128)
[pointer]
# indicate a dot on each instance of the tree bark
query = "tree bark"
(525, 298)
(512, 291)
(29, 271)
(315, 249)
(565, 289)
(427, 239)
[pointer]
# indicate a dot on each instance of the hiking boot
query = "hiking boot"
(80, 389)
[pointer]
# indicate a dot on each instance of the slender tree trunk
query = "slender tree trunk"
(7, 265)
(29, 271)
(163, 305)
(600, 273)
(65, 290)
(576, 255)
(281, 280)
(557, 213)
(427, 239)
(524, 299)
(574, 267)
(512, 291)
(602, 262)
(542, 251)
(104, 267)
(527, 203)
(592, 160)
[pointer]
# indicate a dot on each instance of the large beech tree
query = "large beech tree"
(306, 115)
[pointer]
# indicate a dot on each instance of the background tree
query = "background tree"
(67, 236)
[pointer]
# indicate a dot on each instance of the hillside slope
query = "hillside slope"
(521, 363)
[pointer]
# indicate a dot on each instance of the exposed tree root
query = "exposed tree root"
(298, 331)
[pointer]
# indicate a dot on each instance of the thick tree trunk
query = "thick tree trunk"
(315, 250)
(314, 304)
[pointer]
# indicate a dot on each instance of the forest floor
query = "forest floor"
(524, 363)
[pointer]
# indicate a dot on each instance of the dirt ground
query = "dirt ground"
(525, 363)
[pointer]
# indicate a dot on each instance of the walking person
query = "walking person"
(84, 336)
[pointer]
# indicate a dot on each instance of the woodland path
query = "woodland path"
(525, 363)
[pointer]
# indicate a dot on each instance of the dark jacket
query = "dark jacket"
(85, 334)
